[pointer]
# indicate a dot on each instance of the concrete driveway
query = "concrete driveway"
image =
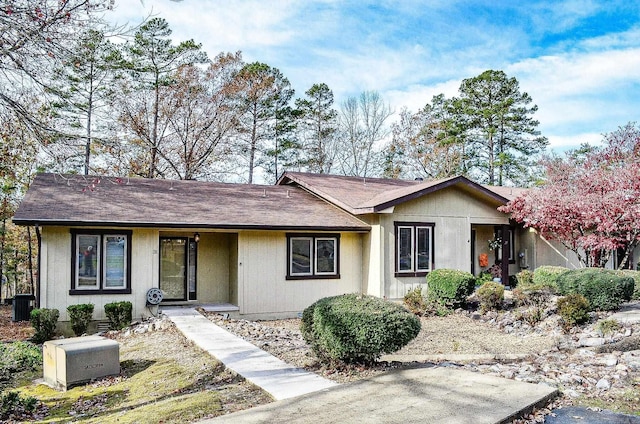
(420, 395)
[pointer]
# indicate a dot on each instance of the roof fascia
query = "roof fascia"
(363, 228)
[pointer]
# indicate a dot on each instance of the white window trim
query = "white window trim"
(430, 239)
(104, 258)
(100, 257)
(335, 256)
(311, 254)
(412, 253)
(414, 229)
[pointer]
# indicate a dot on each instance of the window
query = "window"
(414, 247)
(313, 256)
(101, 262)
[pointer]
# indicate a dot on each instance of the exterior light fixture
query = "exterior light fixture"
(196, 237)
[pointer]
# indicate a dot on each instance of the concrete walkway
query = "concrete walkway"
(629, 313)
(275, 376)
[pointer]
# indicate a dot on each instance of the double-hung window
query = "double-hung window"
(313, 256)
(101, 261)
(414, 249)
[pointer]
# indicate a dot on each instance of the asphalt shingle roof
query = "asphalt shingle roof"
(55, 199)
(359, 195)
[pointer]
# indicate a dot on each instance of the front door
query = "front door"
(178, 268)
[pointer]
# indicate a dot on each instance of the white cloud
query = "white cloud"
(559, 143)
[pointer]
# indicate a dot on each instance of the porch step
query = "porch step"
(220, 307)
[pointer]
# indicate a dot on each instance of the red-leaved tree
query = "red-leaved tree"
(590, 202)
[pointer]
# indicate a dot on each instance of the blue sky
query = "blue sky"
(578, 59)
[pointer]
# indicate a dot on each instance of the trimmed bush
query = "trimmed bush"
(574, 309)
(44, 322)
(414, 301)
(450, 287)
(118, 314)
(491, 296)
(546, 278)
(604, 289)
(636, 279)
(80, 317)
(357, 329)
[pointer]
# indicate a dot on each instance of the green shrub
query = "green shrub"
(354, 328)
(118, 314)
(44, 322)
(604, 289)
(636, 280)
(449, 287)
(13, 406)
(491, 296)
(483, 278)
(546, 278)
(17, 357)
(525, 279)
(80, 317)
(414, 301)
(574, 309)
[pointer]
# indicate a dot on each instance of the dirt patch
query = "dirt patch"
(461, 334)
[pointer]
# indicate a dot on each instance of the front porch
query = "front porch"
(494, 249)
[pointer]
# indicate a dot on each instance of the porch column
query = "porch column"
(506, 248)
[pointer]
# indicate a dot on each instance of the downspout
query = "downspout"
(39, 238)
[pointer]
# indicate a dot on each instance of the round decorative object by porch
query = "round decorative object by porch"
(154, 296)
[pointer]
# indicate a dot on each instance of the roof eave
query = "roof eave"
(128, 224)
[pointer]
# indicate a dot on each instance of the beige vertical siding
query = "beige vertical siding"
(453, 212)
(233, 269)
(56, 273)
(262, 269)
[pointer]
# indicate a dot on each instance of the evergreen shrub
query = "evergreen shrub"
(355, 328)
(574, 309)
(491, 295)
(44, 321)
(546, 278)
(80, 317)
(450, 287)
(604, 289)
(118, 314)
(636, 280)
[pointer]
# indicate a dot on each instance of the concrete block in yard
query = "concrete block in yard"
(76, 360)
